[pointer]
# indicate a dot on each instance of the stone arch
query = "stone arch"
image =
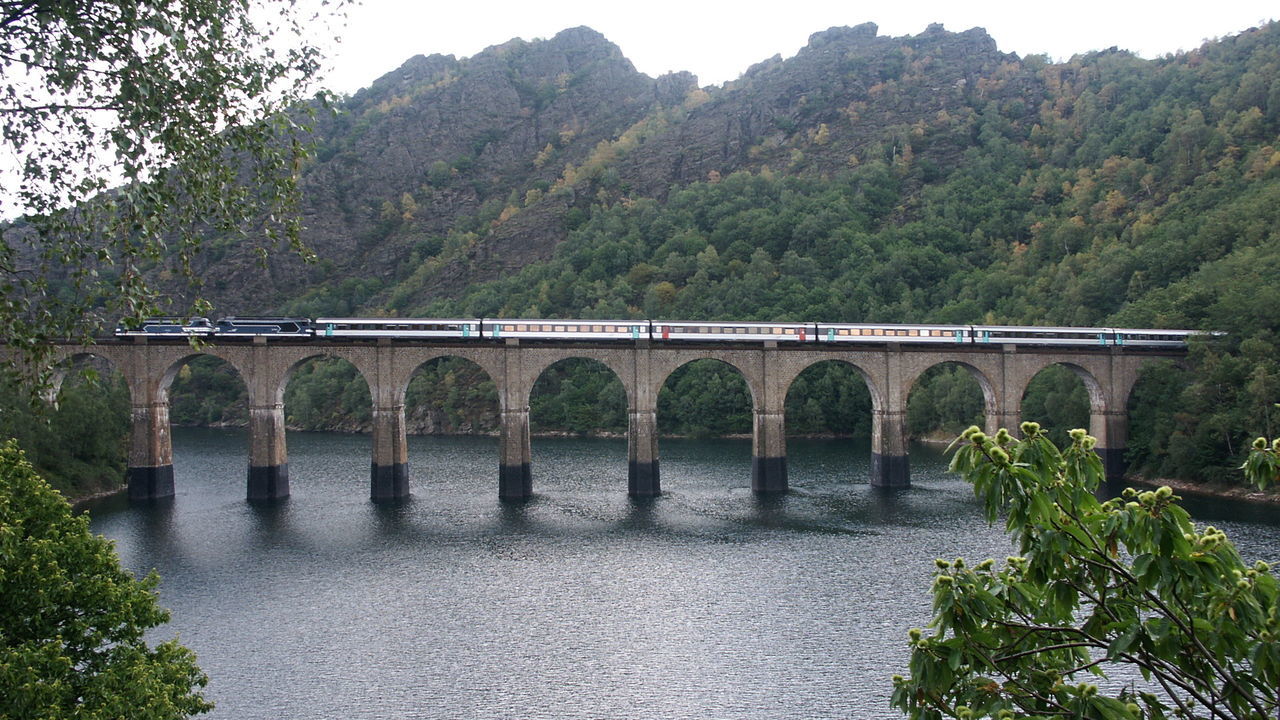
(627, 398)
(403, 394)
(754, 396)
(747, 363)
(788, 380)
(175, 366)
(1099, 402)
(991, 404)
(277, 389)
(534, 362)
(66, 360)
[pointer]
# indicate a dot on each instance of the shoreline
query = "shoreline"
(1219, 490)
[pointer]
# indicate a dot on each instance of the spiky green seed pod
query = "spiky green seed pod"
(942, 564)
(1146, 498)
(1078, 434)
(915, 634)
(1003, 437)
(1089, 442)
(1260, 443)
(959, 563)
(1129, 493)
(970, 431)
(1164, 492)
(999, 456)
(1030, 429)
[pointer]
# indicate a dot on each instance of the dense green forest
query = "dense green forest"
(78, 443)
(1105, 191)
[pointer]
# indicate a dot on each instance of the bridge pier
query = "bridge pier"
(150, 472)
(1111, 428)
(268, 455)
(889, 464)
(389, 470)
(515, 479)
(642, 454)
(769, 453)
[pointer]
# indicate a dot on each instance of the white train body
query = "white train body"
(732, 331)
(660, 331)
(395, 328)
(867, 333)
(621, 330)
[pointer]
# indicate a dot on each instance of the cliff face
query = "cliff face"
(431, 142)
(481, 166)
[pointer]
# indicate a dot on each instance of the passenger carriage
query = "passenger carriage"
(733, 331)
(868, 333)
(1030, 335)
(1155, 338)
(339, 328)
(621, 330)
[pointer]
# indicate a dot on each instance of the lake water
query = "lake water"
(707, 602)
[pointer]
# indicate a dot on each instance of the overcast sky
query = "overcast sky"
(718, 40)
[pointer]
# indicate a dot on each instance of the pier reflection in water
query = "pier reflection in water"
(706, 602)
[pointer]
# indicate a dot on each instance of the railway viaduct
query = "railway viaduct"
(890, 371)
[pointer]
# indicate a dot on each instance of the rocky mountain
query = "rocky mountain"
(482, 165)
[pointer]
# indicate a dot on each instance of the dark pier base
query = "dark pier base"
(270, 482)
(388, 483)
(150, 483)
(769, 474)
(890, 471)
(642, 479)
(515, 482)
(1113, 462)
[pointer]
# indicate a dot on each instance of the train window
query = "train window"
(913, 333)
(610, 328)
(791, 331)
(597, 328)
(924, 333)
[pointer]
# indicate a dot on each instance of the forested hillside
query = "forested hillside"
(929, 178)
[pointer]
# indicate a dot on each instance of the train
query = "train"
(623, 331)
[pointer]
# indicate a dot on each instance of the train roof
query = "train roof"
(553, 321)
